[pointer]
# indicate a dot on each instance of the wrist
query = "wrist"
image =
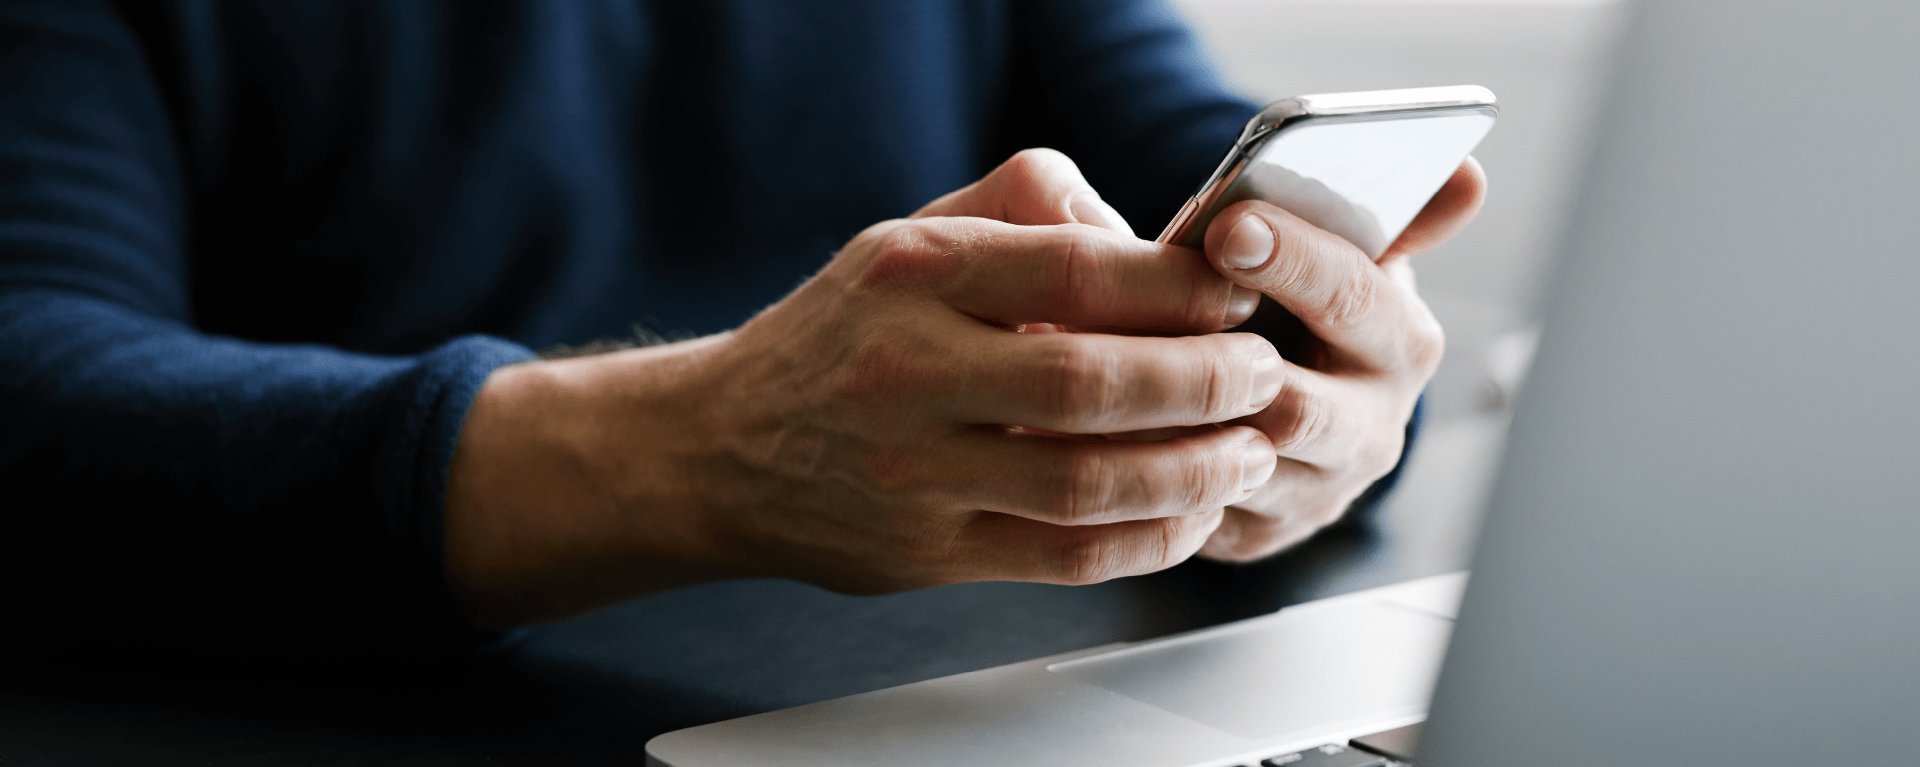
(576, 484)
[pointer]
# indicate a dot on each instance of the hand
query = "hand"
(884, 427)
(1339, 421)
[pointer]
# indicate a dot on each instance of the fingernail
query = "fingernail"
(1249, 245)
(1257, 461)
(1089, 209)
(1240, 305)
(1267, 378)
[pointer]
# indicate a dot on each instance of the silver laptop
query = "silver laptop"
(1704, 547)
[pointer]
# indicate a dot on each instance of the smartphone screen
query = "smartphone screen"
(1360, 165)
(1363, 177)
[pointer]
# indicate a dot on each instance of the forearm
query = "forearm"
(856, 435)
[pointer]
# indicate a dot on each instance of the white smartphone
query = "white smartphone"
(1360, 165)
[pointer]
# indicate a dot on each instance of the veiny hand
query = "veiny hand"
(1339, 420)
(885, 427)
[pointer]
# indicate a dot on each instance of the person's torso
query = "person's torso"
(381, 177)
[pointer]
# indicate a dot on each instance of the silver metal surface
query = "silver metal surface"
(1357, 164)
(1704, 547)
(1276, 678)
(1315, 673)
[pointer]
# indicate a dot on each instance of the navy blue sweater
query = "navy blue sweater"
(256, 257)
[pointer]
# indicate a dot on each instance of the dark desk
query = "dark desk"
(592, 690)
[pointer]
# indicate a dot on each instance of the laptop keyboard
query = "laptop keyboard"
(1381, 749)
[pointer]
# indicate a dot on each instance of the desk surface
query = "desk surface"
(594, 689)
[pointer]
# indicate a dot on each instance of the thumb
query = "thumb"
(1036, 187)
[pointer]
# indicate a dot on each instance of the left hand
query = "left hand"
(1339, 421)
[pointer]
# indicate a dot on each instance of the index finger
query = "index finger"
(1067, 274)
(1450, 210)
(1035, 187)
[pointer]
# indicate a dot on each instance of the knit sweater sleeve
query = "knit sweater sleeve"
(1122, 87)
(167, 487)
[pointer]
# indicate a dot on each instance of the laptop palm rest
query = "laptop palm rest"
(1359, 663)
(1301, 668)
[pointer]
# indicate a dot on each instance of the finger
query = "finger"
(1007, 547)
(1330, 422)
(1244, 536)
(1305, 421)
(1366, 317)
(1401, 270)
(1290, 508)
(1450, 210)
(1068, 275)
(1093, 383)
(1081, 481)
(1035, 187)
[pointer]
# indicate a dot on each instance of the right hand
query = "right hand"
(885, 427)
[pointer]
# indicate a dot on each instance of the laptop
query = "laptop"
(1704, 545)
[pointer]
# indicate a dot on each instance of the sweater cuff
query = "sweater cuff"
(450, 376)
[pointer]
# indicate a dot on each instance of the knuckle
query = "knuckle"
(1259, 538)
(1083, 381)
(1033, 164)
(1224, 389)
(882, 368)
(1170, 543)
(1071, 278)
(935, 547)
(1304, 420)
(1203, 479)
(1250, 547)
(1323, 280)
(1426, 342)
(905, 255)
(1349, 301)
(1037, 177)
(1291, 272)
(1086, 488)
(1100, 555)
(1252, 539)
(1379, 456)
(1194, 480)
(907, 240)
(1210, 304)
(894, 471)
(1084, 560)
(877, 367)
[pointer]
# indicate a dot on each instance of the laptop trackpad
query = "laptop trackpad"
(1296, 670)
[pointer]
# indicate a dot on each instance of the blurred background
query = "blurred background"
(1546, 61)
